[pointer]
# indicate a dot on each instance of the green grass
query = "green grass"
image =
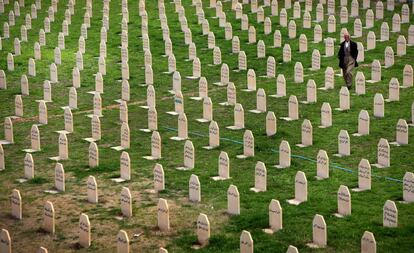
(343, 234)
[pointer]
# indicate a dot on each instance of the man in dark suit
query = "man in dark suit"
(347, 55)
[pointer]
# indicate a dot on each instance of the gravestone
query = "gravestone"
(48, 218)
(32, 67)
(331, 24)
(159, 179)
(42, 113)
(292, 29)
(301, 189)
(303, 43)
(329, 79)
(379, 10)
(378, 105)
(126, 202)
(8, 132)
(401, 46)
(2, 163)
(194, 188)
(307, 134)
(326, 115)
(277, 39)
(246, 242)
(24, 84)
(287, 53)
(319, 13)
(293, 109)
(18, 106)
(388, 57)
(275, 217)
(344, 144)
(407, 76)
(368, 243)
(316, 60)
(283, 17)
(29, 168)
(5, 241)
(238, 118)
(233, 200)
(396, 23)
(363, 123)
(84, 231)
(16, 205)
(93, 155)
(344, 15)
(59, 177)
(344, 100)
(260, 102)
(390, 214)
(34, 139)
(260, 178)
(364, 176)
(248, 145)
(385, 32)
(284, 155)
(261, 49)
(322, 165)
(393, 90)
(317, 34)
(298, 72)
(163, 215)
(122, 242)
(203, 229)
(252, 35)
(271, 124)
(344, 202)
(319, 232)
(92, 190)
(307, 20)
(408, 187)
(383, 154)
(401, 133)
(357, 28)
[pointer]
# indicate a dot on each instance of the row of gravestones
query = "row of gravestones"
(390, 212)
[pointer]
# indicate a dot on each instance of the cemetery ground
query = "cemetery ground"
(344, 235)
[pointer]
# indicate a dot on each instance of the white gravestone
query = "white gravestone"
(301, 189)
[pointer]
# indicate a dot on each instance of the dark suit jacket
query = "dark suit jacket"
(354, 53)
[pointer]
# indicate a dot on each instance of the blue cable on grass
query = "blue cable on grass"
(295, 156)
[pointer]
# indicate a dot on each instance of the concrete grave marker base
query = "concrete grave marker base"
(294, 202)
(4, 142)
(339, 155)
(359, 189)
(145, 130)
(234, 128)
(218, 178)
(41, 100)
(90, 139)
(314, 246)
(256, 190)
(63, 132)
(91, 116)
(338, 215)
(56, 158)
(151, 158)
(324, 126)
(94, 92)
(225, 104)
(203, 120)
(372, 81)
(276, 96)
(118, 148)
(210, 147)
(247, 90)
(196, 98)
(320, 178)
(358, 134)
(144, 107)
(287, 119)
(64, 107)
(269, 231)
(29, 150)
(176, 138)
(183, 168)
(221, 84)
(51, 191)
(280, 166)
(379, 166)
(21, 180)
(172, 113)
(118, 180)
(192, 77)
(396, 143)
(256, 111)
(302, 145)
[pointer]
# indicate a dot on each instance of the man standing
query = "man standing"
(347, 55)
